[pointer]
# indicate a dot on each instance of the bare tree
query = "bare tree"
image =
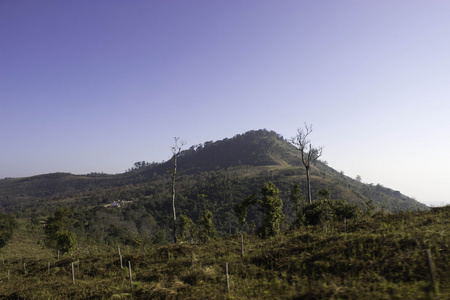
(176, 150)
(309, 153)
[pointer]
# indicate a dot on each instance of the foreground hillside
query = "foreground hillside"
(383, 256)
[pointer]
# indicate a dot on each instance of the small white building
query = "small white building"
(115, 204)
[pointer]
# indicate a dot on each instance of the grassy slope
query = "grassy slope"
(382, 257)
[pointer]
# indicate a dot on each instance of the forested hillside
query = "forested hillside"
(214, 176)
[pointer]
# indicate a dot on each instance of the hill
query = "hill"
(262, 152)
(214, 176)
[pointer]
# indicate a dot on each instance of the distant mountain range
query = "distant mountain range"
(226, 171)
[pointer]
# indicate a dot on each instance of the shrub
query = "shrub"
(207, 229)
(66, 241)
(187, 228)
(328, 210)
(272, 207)
(7, 226)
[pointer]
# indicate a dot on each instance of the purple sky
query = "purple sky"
(94, 86)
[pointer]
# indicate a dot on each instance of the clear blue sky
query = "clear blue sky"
(94, 86)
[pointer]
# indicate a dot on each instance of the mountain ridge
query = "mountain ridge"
(261, 155)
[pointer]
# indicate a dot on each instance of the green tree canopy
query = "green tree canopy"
(241, 210)
(328, 210)
(272, 207)
(207, 228)
(298, 202)
(7, 226)
(186, 228)
(57, 233)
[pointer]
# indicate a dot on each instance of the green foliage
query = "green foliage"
(296, 196)
(271, 206)
(186, 228)
(324, 194)
(328, 210)
(241, 210)
(207, 229)
(7, 226)
(379, 257)
(227, 171)
(56, 224)
(298, 202)
(160, 238)
(66, 241)
(57, 233)
(369, 207)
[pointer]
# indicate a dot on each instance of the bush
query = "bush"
(57, 233)
(272, 207)
(186, 228)
(66, 241)
(7, 226)
(206, 226)
(328, 210)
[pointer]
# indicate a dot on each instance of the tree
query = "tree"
(207, 229)
(309, 153)
(369, 207)
(66, 241)
(160, 238)
(324, 194)
(7, 226)
(242, 209)
(176, 150)
(57, 232)
(298, 202)
(297, 198)
(272, 207)
(186, 228)
(326, 209)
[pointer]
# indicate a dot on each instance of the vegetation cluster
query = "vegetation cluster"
(379, 256)
(212, 177)
(296, 245)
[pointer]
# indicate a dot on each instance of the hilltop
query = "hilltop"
(261, 153)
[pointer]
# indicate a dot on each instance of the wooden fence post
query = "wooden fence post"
(131, 277)
(73, 275)
(433, 273)
(228, 279)
(242, 244)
